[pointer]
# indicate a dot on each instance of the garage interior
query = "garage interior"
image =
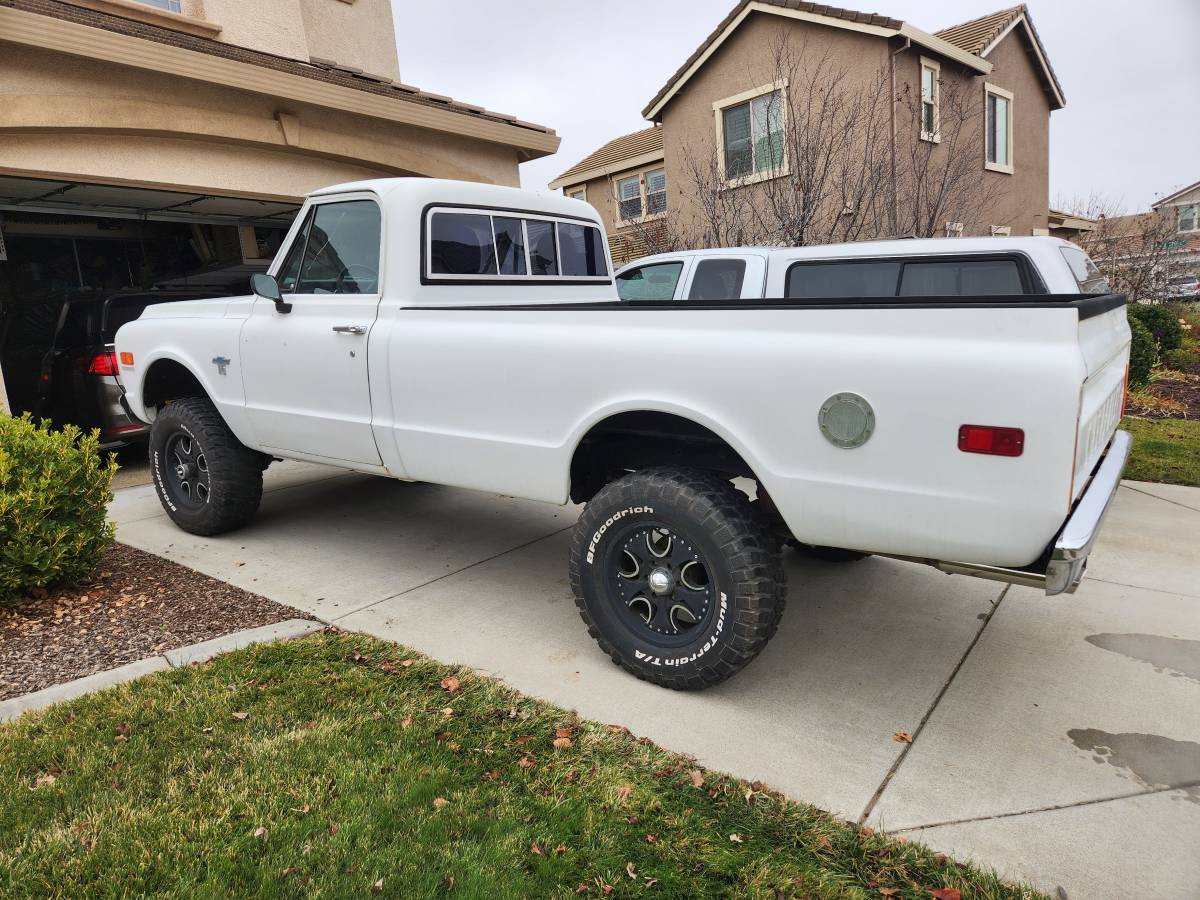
(65, 242)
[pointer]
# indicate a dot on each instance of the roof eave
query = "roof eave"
(1179, 193)
(633, 162)
(916, 35)
(1060, 101)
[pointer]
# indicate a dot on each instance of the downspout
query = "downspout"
(892, 114)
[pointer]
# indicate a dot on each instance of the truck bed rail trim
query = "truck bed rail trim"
(1087, 305)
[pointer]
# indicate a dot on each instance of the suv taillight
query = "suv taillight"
(103, 364)
(991, 440)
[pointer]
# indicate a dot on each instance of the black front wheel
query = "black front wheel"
(676, 576)
(207, 480)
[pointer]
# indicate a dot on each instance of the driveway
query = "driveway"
(1055, 739)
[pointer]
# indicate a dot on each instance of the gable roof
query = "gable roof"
(819, 13)
(619, 154)
(1175, 196)
(980, 36)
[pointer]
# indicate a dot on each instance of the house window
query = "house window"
(579, 193)
(750, 134)
(999, 139)
(930, 73)
(644, 194)
(629, 197)
(1189, 218)
(168, 5)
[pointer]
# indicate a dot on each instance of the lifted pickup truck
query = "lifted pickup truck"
(949, 402)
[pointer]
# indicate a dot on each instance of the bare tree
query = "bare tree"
(835, 171)
(1133, 251)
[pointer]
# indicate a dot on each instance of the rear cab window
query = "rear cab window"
(718, 279)
(481, 245)
(953, 276)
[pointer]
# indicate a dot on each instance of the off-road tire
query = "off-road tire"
(234, 471)
(739, 545)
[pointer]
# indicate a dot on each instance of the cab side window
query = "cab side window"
(718, 279)
(289, 272)
(653, 282)
(341, 253)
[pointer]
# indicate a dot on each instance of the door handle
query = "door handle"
(350, 329)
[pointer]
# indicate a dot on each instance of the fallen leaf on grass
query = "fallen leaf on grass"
(618, 729)
(290, 870)
(44, 780)
(406, 663)
(406, 722)
(737, 839)
(624, 791)
(889, 892)
(206, 730)
(261, 833)
(377, 886)
(631, 871)
(562, 732)
(697, 778)
(536, 849)
(902, 737)
(947, 894)
(562, 743)
(524, 739)
(450, 683)
(447, 712)
(526, 763)
(240, 716)
(439, 802)
(560, 849)
(940, 858)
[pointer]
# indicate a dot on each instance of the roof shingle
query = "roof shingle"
(615, 152)
(975, 36)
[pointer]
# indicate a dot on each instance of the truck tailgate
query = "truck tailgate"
(1104, 343)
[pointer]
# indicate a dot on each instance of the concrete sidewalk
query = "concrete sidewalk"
(1056, 739)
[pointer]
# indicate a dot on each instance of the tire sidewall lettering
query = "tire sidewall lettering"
(609, 522)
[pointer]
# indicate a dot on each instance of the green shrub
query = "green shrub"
(1162, 322)
(54, 493)
(1142, 354)
(1185, 359)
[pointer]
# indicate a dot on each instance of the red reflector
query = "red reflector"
(991, 440)
(103, 364)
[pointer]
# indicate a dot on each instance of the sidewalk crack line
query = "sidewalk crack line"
(417, 587)
(871, 804)
(1156, 497)
(1149, 792)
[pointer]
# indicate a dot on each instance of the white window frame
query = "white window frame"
(1195, 207)
(719, 108)
(1001, 230)
(935, 136)
(171, 6)
(431, 277)
(640, 175)
(577, 189)
(995, 90)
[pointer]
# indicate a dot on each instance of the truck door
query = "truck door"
(305, 371)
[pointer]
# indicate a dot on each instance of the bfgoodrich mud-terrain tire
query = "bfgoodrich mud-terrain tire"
(207, 480)
(677, 578)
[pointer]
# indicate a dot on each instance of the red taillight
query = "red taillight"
(991, 440)
(103, 364)
(1124, 391)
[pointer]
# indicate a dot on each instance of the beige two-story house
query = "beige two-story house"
(153, 142)
(806, 123)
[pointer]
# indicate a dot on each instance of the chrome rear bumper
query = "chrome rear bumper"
(1068, 555)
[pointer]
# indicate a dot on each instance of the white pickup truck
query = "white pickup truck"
(948, 402)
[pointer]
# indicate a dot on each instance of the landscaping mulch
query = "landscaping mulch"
(1175, 396)
(136, 605)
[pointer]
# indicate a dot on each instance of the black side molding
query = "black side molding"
(1087, 305)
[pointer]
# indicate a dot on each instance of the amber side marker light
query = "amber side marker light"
(126, 358)
(991, 440)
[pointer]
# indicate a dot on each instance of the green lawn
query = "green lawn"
(342, 766)
(1165, 450)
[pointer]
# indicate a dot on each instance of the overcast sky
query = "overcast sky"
(1130, 72)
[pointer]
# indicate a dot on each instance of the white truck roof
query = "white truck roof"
(421, 191)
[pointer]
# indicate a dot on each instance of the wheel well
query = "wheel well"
(638, 440)
(168, 380)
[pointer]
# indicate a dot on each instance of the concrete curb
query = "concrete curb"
(58, 693)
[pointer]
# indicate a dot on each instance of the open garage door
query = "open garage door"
(71, 250)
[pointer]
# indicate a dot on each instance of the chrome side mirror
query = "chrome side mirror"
(267, 287)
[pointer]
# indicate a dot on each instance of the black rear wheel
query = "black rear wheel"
(677, 578)
(207, 480)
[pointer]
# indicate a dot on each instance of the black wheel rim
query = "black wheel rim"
(660, 583)
(186, 474)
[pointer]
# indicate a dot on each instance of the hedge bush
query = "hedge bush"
(1185, 359)
(1142, 354)
(1162, 322)
(54, 493)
